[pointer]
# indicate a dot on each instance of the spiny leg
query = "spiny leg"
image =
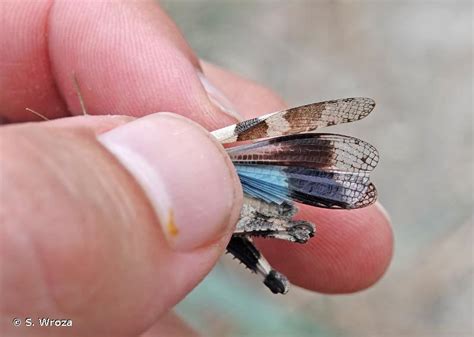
(267, 220)
(245, 251)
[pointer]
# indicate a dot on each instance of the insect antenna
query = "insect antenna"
(79, 95)
(36, 113)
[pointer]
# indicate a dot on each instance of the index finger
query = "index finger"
(129, 59)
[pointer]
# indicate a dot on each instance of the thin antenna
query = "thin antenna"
(37, 114)
(79, 95)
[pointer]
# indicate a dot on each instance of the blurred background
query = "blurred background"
(415, 59)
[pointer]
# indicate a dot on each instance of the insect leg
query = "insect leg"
(268, 220)
(245, 251)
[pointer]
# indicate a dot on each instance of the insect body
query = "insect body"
(292, 164)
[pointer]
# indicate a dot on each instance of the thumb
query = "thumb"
(115, 228)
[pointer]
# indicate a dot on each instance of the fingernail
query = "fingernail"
(383, 210)
(187, 176)
(218, 98)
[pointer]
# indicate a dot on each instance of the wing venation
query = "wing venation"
(329, 152)
(300, 119)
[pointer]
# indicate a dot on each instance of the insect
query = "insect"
(283, 161)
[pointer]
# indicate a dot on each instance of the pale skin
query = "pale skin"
(79, 236)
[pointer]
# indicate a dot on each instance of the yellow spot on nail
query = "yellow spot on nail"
(171, 226)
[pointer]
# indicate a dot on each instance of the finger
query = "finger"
(249, 98)
(96, 124)
(135, 62)
(109, 229)
(351, 250)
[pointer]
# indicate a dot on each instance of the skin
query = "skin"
(77, 260)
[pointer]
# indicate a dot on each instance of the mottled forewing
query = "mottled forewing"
(296, 120)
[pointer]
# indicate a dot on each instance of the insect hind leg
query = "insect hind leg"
(244, 250)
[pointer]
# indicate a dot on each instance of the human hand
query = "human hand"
(88, 231)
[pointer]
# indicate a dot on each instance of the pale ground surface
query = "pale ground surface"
(415, 59)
